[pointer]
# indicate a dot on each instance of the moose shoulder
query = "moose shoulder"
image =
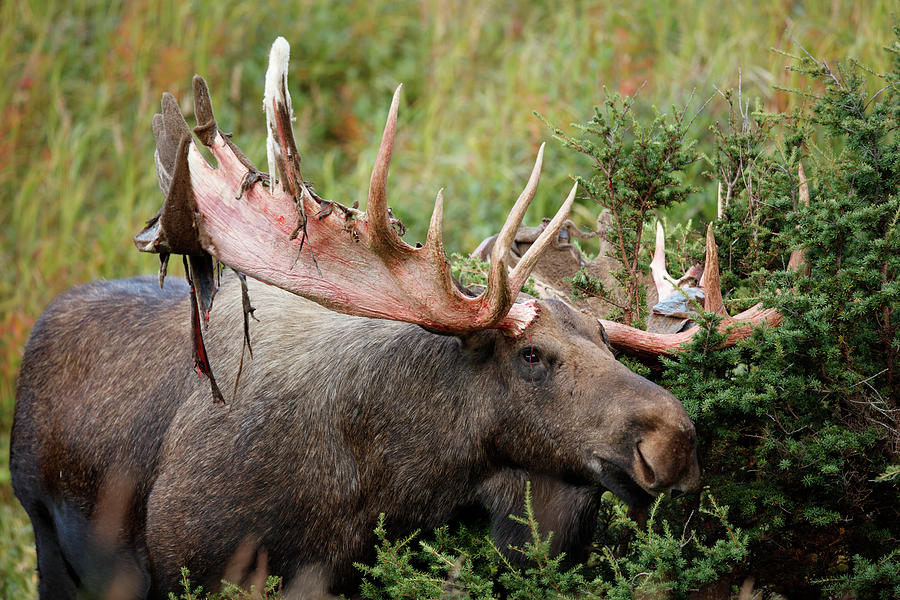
(335, 420)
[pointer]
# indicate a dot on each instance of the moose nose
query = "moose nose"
(666, 459)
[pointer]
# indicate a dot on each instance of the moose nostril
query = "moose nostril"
(645, 471)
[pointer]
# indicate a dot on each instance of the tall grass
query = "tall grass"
(82, 80)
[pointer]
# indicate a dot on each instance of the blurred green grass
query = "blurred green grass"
(82, 80)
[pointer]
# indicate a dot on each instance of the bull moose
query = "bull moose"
(385, 387)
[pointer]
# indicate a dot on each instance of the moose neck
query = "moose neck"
(410, 404)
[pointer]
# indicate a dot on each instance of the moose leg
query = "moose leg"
(74, 562)
(567, 510)
(57, 578)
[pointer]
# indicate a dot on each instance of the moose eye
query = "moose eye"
(531, 355)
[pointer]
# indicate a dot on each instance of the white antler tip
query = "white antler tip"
(539, 161)
(395, 101)
(660, 248)
(280, 52)
(276, 92)
(279, 57)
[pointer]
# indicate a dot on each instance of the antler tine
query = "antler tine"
(661, 278)
(797, 261)
(499, 293)
(281, 149)
(434, 241)
(508, 231)
(804, 186)
(719, 201)
(377, 209)
(279, 57)
(526, 263)
(712, 290)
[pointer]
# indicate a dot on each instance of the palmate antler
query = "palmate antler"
(285, 235)
(646, 344)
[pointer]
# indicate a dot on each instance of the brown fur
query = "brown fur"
(129, 471)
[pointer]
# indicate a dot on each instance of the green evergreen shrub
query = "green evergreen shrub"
(637, 171)
(797, 422)
(230, 591)
(463, 562)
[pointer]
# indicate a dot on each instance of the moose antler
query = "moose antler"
(647, 344)
(673, 296)
(281, 232)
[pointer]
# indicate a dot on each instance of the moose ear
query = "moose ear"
(478, 346)
(474, 345)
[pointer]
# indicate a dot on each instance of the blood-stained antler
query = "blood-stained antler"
(280, 232)
(647, 344)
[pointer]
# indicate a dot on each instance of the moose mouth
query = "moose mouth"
(617, 480)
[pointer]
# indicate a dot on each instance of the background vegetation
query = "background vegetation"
(82, 80)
